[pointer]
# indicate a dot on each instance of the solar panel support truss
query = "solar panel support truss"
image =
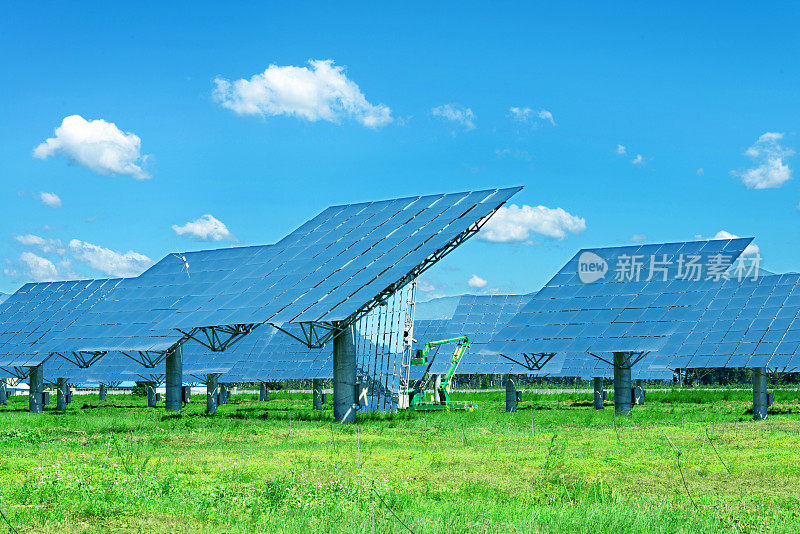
(218, 338)
(533, 361)
(20, 373)
(82, 359)
(631, 358)
(146, 359)
(312, 329)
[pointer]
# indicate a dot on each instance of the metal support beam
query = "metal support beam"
(211, 393)
(62, 391)
(759, 393)
(36, 392)
(262, 392)
(151, 395)
(316, 393)
(437, 382)
(344, 375)
(511, 393)
(102, 392)
(174, 400)
(598, 393)
(622, 383)
(638, 393)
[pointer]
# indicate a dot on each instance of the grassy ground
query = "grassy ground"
(557, 465)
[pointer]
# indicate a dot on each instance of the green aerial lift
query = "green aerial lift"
(416, 396)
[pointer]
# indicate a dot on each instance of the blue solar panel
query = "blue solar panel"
(326, 270)
(618, 299)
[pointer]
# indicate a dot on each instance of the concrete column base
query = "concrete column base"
(511, 393)
(36, 391)
(598, 393)
(759, 393)
(623, 399)
(344, 376)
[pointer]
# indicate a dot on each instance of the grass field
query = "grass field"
(556, 465)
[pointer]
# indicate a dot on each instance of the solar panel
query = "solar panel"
(333, 267)
(41, 309)
(620, 299)
(750, 323)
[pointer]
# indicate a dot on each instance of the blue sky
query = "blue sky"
(422, 104)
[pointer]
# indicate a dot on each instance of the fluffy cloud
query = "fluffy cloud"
(47, 246)
(206, 228)
(109, 261)
(97, 145)
(50, 199)
(321, 92)
(477, 282)
(525, 114)
(514, 223)
(37, 268)
(638, 160)
(621, 150)
(751, 250)
(638, 238)
(768, 157)
(456, 113)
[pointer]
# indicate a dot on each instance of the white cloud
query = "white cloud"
(638, 160)
(514, 153)
(456, 113)
(525, 114)
(47, 246)
(621, 150)
(97, 145)
(638, 238)
(109, 261)
(50, 199)
(768, 157)
(321, 92)
(477, 282)
(206, 228)
(37, 268)
(514, 223)
(701, 171)
(751, 249)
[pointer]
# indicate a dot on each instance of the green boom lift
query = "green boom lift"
(416, 396)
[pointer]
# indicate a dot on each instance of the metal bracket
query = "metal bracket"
(534, 361)
(628, 363)
(145, 358)
(218, 338)
(80, 359)
(157, 379)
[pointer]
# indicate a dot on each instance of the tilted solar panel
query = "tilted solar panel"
(622, 299)
(749, 323)
(40, 310)
(335, 266)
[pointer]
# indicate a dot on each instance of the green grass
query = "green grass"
(556, 465)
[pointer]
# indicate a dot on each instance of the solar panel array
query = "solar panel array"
(37, 309)
(626, 313)
(749, 323)
(326, 270)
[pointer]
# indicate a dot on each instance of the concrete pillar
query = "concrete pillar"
(152, 402)
(622, 383)
(511, 393)
(759, 393)
(3, 392)
(62, 391)
(638, 393)
(36, 392)
(344, 376)
(316, 394)
(174, 400)
(211, 393)
(437, 382)
(102, 392)
(598, 393)
(262, 392)
(223, 394)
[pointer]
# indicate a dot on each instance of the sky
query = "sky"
(134, 130)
